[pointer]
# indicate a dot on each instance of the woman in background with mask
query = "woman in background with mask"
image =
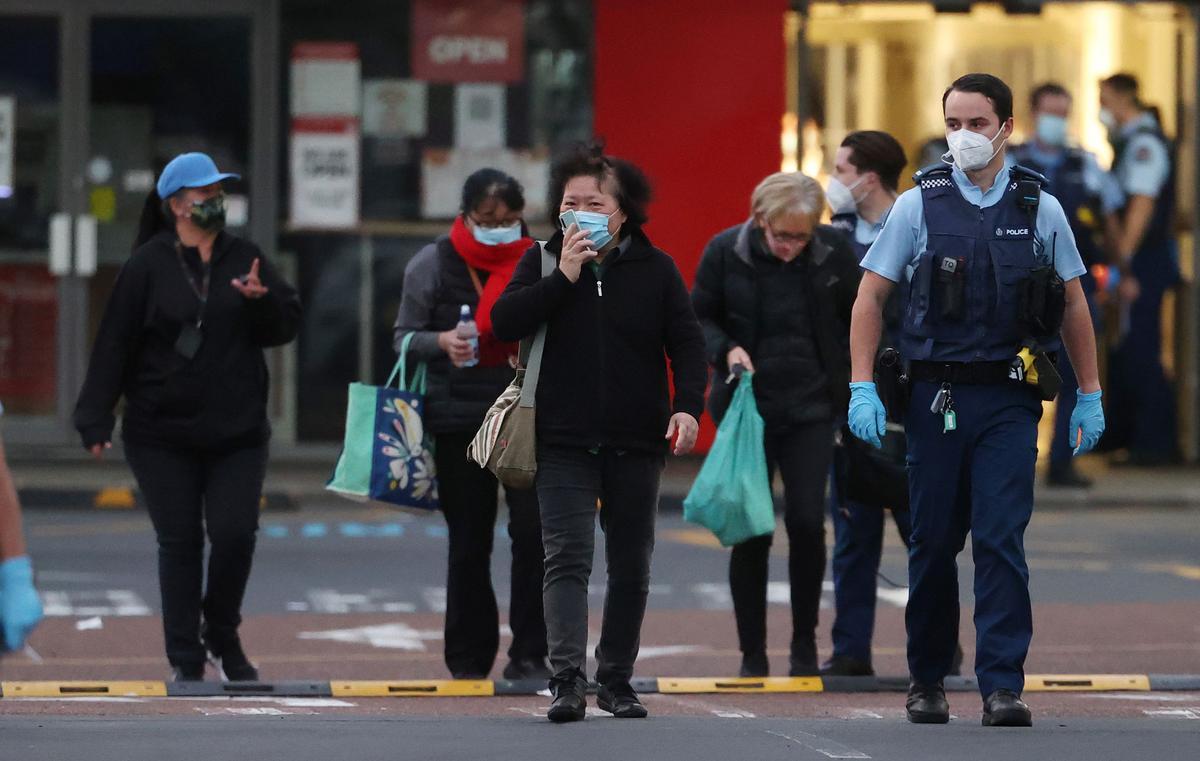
(471, 267)
(182, 340)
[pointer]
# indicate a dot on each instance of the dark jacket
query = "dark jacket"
(604, 372)
(217, 399)
(436, 285)
(726, 297)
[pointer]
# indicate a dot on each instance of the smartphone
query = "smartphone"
(567, 218)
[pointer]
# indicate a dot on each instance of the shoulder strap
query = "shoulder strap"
(931, 171)
(475, 281)
(533, 366)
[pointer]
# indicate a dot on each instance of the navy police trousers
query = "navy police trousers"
(976, 479)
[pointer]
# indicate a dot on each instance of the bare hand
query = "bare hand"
(738, 356)
(684, 429)
(576, 251)
(97, 450)
(459, 350)
(1128, 289)
(249, 285)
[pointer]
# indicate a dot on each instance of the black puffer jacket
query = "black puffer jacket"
(727, 297)
(436, 285)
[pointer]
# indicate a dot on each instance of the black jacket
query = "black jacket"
(727, 301)
(436, 285)
(604, 371)
(219, 397)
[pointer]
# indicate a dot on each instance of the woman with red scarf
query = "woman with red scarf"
(472, 266)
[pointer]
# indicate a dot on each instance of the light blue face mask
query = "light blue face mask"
(594, 224)
(1051, 130)
(497, 236)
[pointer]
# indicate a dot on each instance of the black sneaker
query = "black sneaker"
(927, 704)
(232, 662)
(527, 668)
(621, 701)
(192, 672)
(803, 667)
(754, 665)
(845, 665)
(570, 701)
(1004, 708)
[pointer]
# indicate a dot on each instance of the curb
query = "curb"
(118, 498)
(443, 688)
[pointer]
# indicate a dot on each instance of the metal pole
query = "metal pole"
(366, 309)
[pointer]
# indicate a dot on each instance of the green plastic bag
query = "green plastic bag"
(732, 494)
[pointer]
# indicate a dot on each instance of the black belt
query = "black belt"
(965, 373)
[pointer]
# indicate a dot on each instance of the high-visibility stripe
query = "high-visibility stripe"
(432, 688)
(739, 685)
(1086, 682)
(83, 689)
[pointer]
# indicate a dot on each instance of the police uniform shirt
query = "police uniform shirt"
(866, 232)
(904, 236)
(1098, 182)
(1146, 165)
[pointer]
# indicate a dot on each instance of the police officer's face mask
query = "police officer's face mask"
(1051, 130)
(971, 150)
(841, 196)
(209, 214)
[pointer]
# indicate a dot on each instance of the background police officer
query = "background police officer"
(1141, 398)
(1090, 198)
(973, 235)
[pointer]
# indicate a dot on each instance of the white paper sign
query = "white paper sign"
(8, 128)
(395, 108)
(479, 116)
(444, 171)
(325, 179)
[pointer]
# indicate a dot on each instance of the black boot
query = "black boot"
(189, 672)
(845, 665)
(1004, 708)
(231, 660)
(754, 665)
(527, 668)
(570, 699)
(621, 701)
(927, 704)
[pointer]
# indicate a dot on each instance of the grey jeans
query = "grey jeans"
(569, 483)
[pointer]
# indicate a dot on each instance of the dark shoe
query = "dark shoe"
(927, 704)
(1068, 478)
(797, 667)
(232, 662)
(570, 702)
(1004, 708)
(193, 672)
(527, 668)
(621, 701)
(844, 665)
(956, 664)
(754, 665)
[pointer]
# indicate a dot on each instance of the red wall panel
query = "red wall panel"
(692, 92)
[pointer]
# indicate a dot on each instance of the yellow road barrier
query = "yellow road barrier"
(697, 686)
(83, 689)
(433, 688)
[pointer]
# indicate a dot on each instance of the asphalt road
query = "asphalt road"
(347, 593)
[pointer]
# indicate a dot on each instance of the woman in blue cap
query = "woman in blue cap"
(182, 341)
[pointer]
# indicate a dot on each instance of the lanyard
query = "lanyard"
(200, 289)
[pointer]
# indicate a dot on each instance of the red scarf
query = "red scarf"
(499, 262)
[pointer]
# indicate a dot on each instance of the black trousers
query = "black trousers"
(802, 454)
(469, 496)
(570, 483)
(190, 493)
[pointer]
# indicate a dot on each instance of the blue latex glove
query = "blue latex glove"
(868, 420)
(20, 606)
(1088, 418)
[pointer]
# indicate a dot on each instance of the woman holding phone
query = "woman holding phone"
(616, 308)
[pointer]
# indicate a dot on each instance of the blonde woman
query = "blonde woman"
(774, 295)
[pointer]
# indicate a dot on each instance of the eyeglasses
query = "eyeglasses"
(494, 225)
(789, 239)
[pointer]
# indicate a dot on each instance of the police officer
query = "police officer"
(974, 235)
(861, 191)
(1145, 250)
(1090, 198)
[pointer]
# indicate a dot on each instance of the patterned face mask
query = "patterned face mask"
(209, 214)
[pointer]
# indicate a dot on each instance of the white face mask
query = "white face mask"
(971, 150)
(1107, 119)
(841, 196)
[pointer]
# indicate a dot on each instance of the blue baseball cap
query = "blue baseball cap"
(190, 170)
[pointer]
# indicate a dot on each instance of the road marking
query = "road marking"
(247, 712)
(537, 712)
(821, 745)
(713, 596)
(659, 651)
(1174, 713)
(720, 711)
(1157, 697)
(1183, 571)
(370, 601)
(435, 598)
(863, 713)
(397, 636)
(89, 603)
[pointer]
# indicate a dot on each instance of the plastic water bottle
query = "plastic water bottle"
(467, 329)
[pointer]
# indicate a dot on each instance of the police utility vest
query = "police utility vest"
(964, 299)
(848, 224)
(1159, 233)
(1081, 205)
